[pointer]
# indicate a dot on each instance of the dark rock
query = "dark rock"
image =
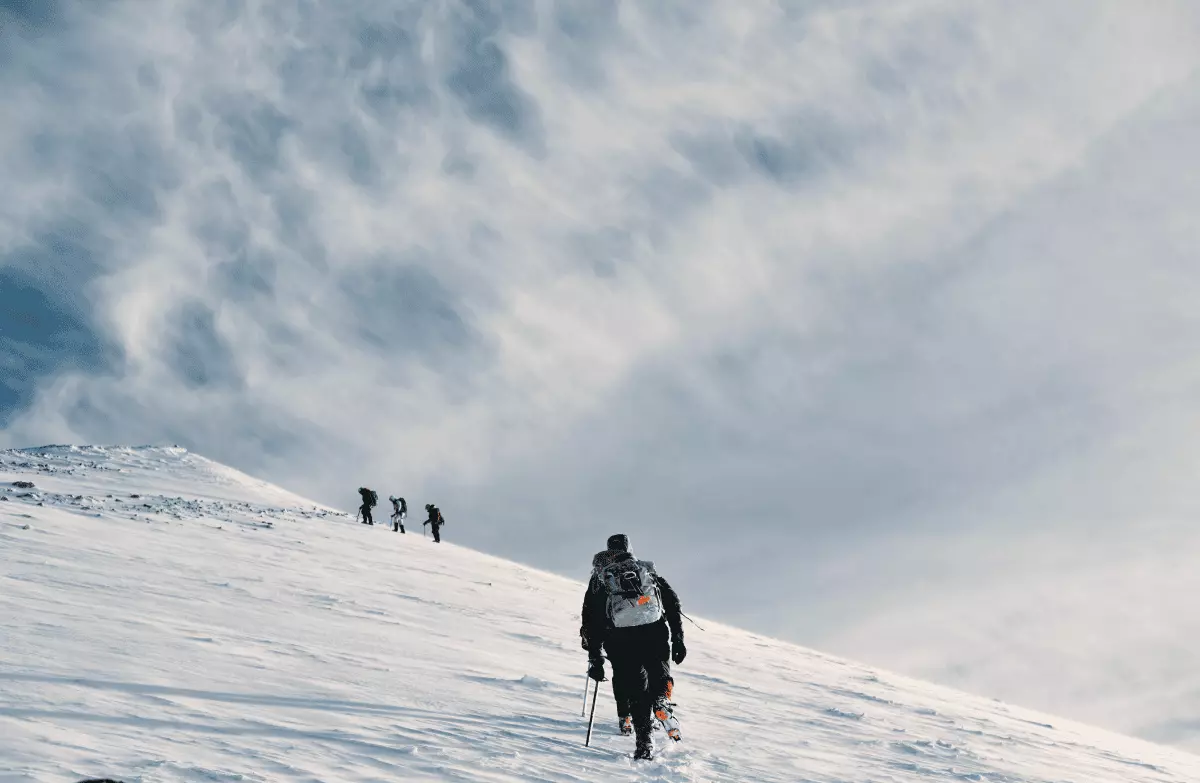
(23, 484)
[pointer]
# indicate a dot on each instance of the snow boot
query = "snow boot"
(666, 717)
(645, 748)
(626, 726)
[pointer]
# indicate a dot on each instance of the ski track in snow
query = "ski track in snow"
(216, 628)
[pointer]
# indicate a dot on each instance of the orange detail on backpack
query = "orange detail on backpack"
(643, 600)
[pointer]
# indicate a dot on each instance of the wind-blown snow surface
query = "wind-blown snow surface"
(165, 618)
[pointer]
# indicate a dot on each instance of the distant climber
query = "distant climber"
(370, 499)
(399, 512)
(628, 610)
(435, 521)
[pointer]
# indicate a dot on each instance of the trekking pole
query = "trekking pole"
(693, 622)
(583, 709)
(588, 742)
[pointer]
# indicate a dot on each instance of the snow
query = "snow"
(216, 628)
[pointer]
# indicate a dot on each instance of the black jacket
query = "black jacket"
(597, 631)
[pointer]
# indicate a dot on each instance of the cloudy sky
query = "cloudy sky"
(874, 323)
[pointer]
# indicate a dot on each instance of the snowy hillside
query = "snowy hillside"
(164, 618)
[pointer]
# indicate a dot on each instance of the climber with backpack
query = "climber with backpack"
(435, 521)
(399, 512)
(633, 615)
(370, 499)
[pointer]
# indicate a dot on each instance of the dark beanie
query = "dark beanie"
(618, 542)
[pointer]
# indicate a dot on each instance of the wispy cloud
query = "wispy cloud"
(779, 286)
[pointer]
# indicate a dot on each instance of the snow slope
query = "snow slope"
(215, 628)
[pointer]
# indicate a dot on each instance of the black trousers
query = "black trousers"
(624, 708)
(623, 700)
(643, 681)
(641, 664)
(366, 514)
(437, 533)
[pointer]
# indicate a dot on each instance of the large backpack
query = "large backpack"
(374, 498)
(633, 597)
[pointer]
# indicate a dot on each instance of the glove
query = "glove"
(678, 651)
(596, 669)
